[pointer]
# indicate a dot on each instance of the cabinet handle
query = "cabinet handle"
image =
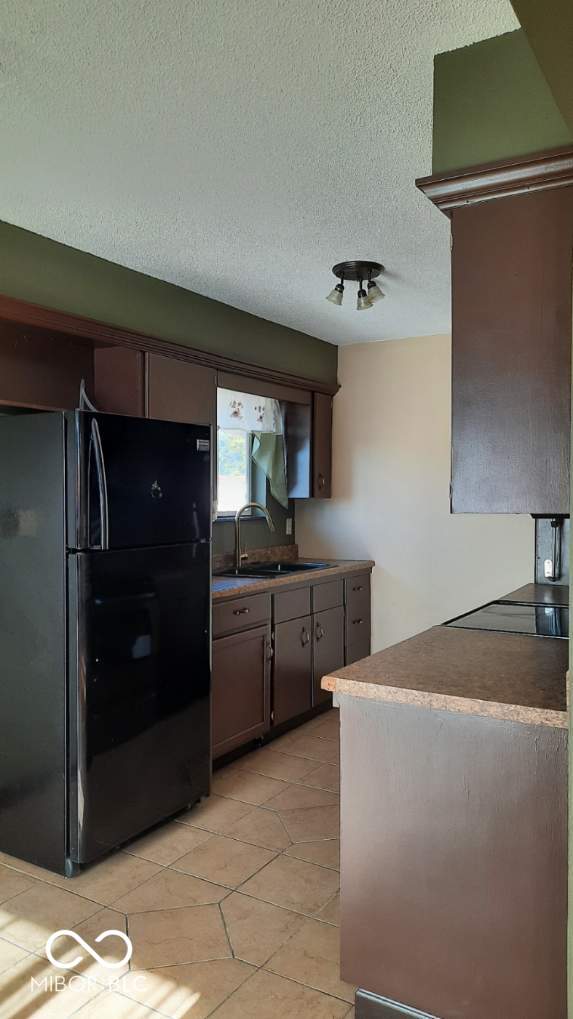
(270, 651)
(304, 637)
(319, 632)
(240, 612)
(356, 622)
(358, 588)
(321, 481)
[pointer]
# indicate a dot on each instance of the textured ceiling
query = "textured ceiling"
(238, 148)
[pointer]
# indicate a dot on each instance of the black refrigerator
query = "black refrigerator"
(105, 566)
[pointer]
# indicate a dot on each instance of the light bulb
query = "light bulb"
(335, 296)
(374, 292)
(362, 301)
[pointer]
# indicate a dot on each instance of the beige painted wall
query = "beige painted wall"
(390, 497)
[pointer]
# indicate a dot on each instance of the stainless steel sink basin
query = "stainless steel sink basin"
(274, 569)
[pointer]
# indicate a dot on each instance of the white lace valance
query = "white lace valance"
(248, 413)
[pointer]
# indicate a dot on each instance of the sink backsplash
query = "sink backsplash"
(272, 554)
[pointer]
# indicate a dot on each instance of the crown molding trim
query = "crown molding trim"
(543, 171)
(101, 334)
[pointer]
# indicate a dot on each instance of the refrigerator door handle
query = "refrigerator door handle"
(102, 484)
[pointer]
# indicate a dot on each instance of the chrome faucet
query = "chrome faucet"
(248, 505)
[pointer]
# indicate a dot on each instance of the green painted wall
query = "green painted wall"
(44, 272)
(549, 30)
(491, 101)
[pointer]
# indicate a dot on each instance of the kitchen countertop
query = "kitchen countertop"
(232, 587)
(540, 594)
(516, 677)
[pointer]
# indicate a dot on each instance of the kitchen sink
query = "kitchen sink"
(274, 569)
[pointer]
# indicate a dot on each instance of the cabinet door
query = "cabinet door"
(321, 445)
(511, 354)
(240, 688)
(328, 646)
(292, 669)
(42, 369)
(119, 380)
(181, 391)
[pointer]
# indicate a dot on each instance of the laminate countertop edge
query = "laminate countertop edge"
(446, 702)
(225, 587)
(512, 677)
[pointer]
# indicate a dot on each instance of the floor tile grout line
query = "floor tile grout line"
(275, 852)
(301, 983)
(301, 779)
(291, 909)
(74, 891)
(291, 856)
(298, 983)
(235, 838)
(190, 905)
(332, 898)
(221, 1003)
(287, 832)
(44, 883)
(227, 934)
(170, 864)
(266, 804)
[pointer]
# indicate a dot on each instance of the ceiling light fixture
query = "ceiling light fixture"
(374, 291)
(358, 271)
(362, 302)
(337, 293)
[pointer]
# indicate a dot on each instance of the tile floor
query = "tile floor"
(232, 909)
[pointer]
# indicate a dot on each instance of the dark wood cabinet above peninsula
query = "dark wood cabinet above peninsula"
(512, 252)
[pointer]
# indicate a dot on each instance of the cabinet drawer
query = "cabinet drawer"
(357, 638)
(358, 595)
(291, 604)
(327, 596)
(241, 613)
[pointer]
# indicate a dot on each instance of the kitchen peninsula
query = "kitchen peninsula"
(453, 823)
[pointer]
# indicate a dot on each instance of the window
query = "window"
(251, 459)
(234, 467)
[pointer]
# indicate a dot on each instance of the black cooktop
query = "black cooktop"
(538, 620)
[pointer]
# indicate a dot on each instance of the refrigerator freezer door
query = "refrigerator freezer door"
(135, 483)
(140, 728)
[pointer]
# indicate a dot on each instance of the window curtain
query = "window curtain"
(262, 417)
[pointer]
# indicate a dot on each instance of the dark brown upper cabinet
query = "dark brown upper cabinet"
(321, 446)
(309, 448)
(129, 381)
(42, 369)
(119, 380)
(181, 391)
(511, 334)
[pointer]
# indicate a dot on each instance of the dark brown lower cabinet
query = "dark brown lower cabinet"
(240, 688)
(292, 669)
(328, 648)
(357, 595)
